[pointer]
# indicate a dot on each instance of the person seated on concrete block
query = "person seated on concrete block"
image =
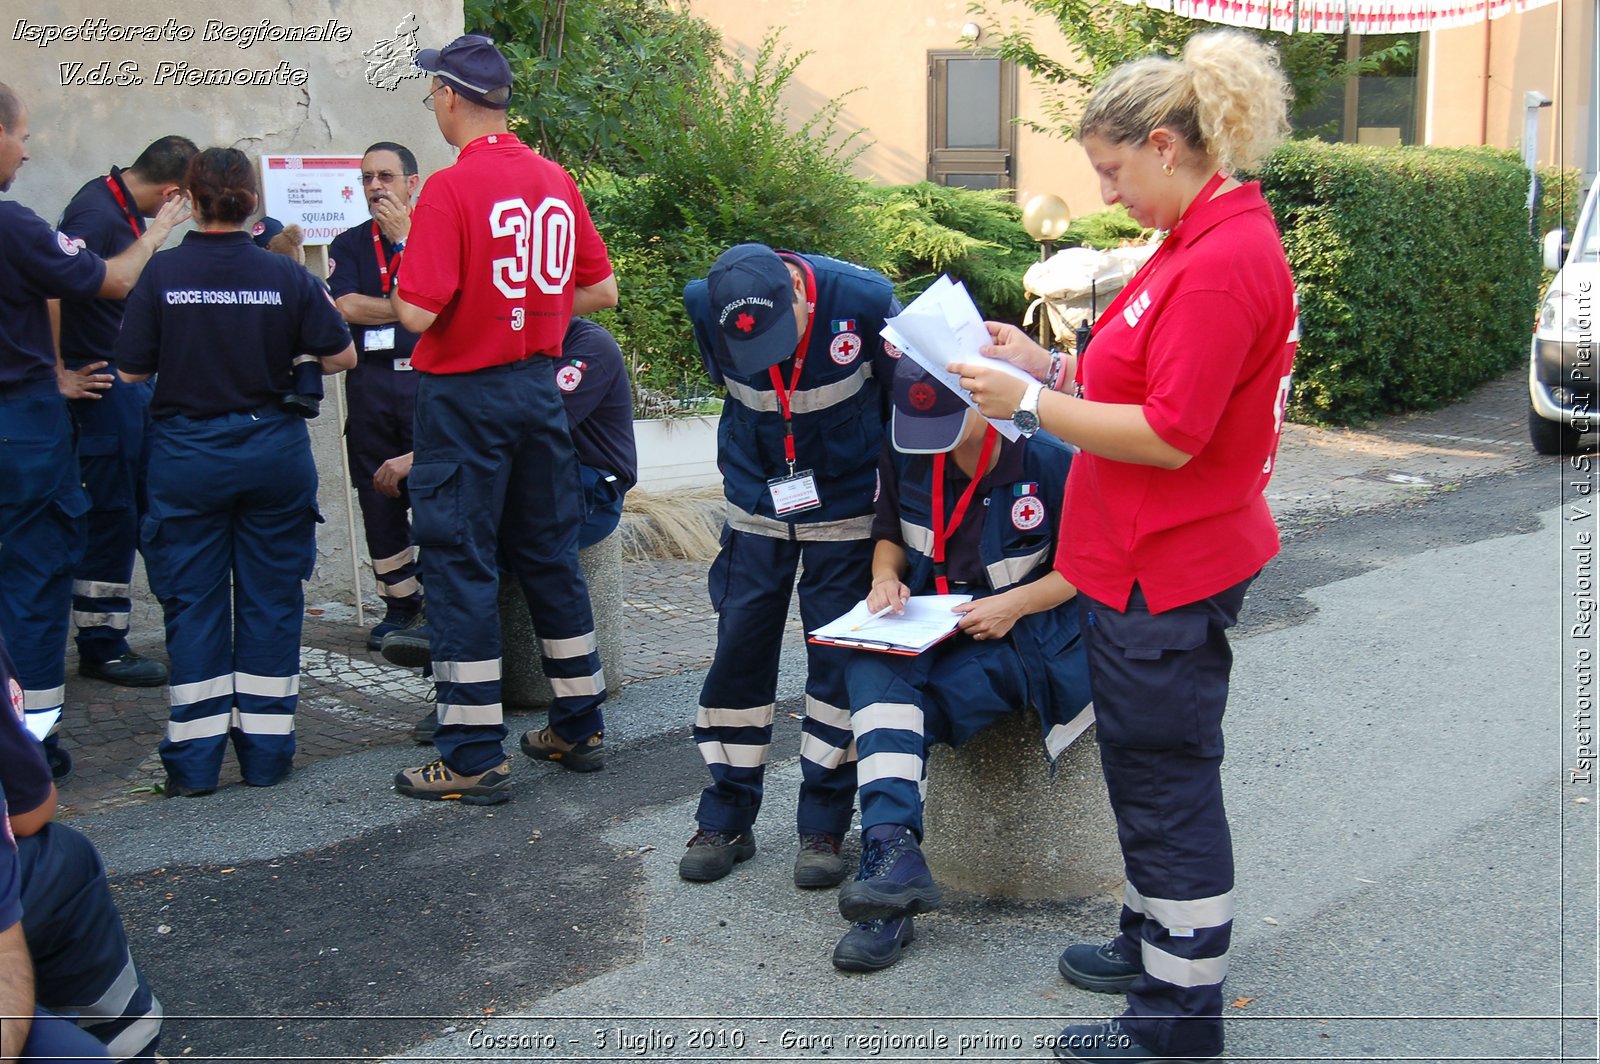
(960, 510)
(598, 399)
(306, 392)
(74, 943)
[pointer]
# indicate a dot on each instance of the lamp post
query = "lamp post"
(1046, 218)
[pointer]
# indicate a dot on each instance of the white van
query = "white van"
(1562, 366)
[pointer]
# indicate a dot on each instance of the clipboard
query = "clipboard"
(927, 621)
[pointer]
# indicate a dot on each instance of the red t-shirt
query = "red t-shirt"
(497, 244)
(1203, 338)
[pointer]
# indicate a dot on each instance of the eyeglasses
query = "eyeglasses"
(383, 177)
(428, 100)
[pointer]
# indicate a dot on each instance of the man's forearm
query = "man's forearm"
(16, 992)
(365, 310)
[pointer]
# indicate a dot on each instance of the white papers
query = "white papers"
(39, 724)
(942, 326)
(926, 620)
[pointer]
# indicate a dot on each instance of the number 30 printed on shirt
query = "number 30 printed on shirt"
(544, 246)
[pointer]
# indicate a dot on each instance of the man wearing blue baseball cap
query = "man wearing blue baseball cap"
(501, 254)
(961, 510)
(795, 340)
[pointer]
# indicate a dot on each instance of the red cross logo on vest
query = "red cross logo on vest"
(1027, 513)
(844, 348)
(568, 378)
(744, 322)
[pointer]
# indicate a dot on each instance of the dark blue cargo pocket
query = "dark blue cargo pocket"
(1151, 687)
(717, 582)
(156, 557)
(435, 489)
(313, 519)
(104, 473)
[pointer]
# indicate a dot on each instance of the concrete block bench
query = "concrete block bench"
(998, 825)
(523, 684)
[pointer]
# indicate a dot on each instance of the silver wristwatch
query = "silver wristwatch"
(1026, 416)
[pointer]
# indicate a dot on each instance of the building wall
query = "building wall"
(81, 130)
(1549, 49)
(880, 49)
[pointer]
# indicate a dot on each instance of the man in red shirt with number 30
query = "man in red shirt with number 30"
(501, 255)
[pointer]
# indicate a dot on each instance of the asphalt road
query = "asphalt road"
(1416, 868)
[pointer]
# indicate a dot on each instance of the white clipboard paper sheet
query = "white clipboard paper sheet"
(927, 620)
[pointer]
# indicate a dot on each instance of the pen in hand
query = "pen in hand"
(890, 608)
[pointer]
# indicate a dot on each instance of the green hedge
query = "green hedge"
(1417, 274)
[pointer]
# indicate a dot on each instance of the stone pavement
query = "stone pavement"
(352, 700)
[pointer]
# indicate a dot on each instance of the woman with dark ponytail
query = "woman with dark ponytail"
(229, 533)
(1177, 406)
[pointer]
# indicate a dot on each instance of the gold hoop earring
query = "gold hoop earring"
(1167, 169)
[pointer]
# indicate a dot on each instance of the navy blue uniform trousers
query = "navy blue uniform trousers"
(53, 1040)
(383, 404)
(229, 537)
(111, 459)
(41, 538)
(496, 477)
(82, 968)
(903, 705)
(1160, 688)
(751, 583)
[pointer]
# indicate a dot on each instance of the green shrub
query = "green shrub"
(923, 230)
(1416, 273)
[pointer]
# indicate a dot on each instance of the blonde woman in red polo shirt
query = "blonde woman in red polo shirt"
(1177, 406)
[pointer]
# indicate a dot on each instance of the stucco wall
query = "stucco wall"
(80, 130)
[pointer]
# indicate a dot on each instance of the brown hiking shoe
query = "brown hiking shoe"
(546, 745)
(435, 782)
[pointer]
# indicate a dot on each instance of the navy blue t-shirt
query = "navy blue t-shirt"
(222, 320)
(89, 326)
(24, 774)
(37, 263)
(599, 402)
(353, 270)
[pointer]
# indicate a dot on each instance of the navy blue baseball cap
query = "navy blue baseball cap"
(264, 230)
(473, 67)
(929, 418)
(752, 296)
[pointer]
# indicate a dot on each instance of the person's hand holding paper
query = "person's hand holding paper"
(942, 326)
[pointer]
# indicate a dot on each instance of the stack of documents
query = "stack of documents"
(942, 326)
(927, 620)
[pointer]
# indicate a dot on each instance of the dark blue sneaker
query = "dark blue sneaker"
(894, 880)
(1109, 1043)
(1099, 968)
(873, 945)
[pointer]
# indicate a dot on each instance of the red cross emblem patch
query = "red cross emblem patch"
(921, 396)
(1027, 513)
(17, 705)
(845, 348)
(568, 378)
(744, 322)
(891, 350)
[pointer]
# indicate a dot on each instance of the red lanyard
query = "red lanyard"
(385, 268)
(799, 364)
(941, 534)
(122, 201)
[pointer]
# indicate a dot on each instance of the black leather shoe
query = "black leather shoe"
(408, 646)
(1098, 968)
(173, 789)
(873, 945)
(712, 855)
(60, 763)
(422, 731)
(130, 670)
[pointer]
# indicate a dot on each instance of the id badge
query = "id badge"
(402, 364)
(794, 494)
(378, 338)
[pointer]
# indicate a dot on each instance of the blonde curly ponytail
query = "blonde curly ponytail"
(1227, 96)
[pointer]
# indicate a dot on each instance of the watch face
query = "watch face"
(1026, 421)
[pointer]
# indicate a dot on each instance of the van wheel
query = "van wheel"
(1551, 437)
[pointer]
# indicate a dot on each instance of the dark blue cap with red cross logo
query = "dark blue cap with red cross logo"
(928, 417)
(752, 297)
